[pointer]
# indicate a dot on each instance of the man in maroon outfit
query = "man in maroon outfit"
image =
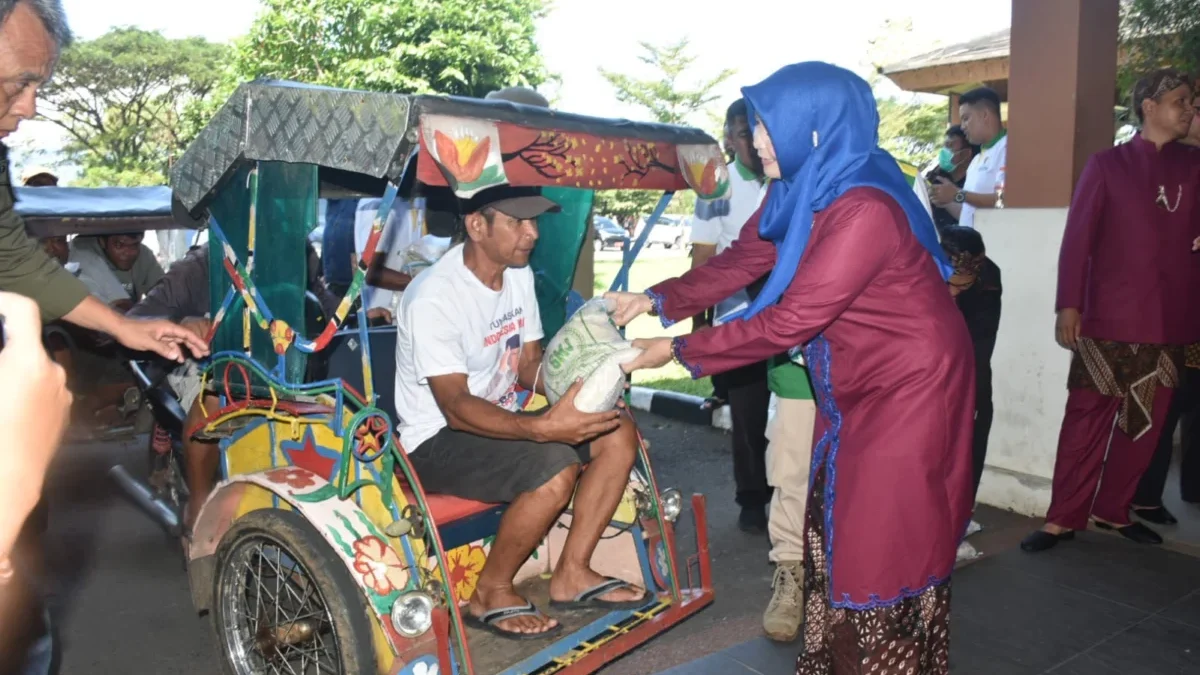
(1126, 262)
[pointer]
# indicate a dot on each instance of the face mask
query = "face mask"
(946, 160)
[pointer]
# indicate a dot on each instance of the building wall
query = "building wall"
(1029, 368)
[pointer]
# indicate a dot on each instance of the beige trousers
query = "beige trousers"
(789, 459)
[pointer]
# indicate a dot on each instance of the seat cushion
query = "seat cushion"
(446, 509)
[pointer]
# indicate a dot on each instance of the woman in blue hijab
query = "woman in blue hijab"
(857, 281)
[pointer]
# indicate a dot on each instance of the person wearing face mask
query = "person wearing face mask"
(953, 159)
(857, 281)
(983, 126)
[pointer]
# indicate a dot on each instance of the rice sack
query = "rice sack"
(589, 347)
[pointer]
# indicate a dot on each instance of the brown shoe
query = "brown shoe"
(785, 613)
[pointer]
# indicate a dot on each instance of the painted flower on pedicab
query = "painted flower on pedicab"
(378, 565)
(465, 562)
(297, 479)
(464, 156)
(704, 170)
(468, 150)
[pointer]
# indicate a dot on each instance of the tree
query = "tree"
(668, 101)
(1158, 33)
(120, 98)
(459, 47)
(664, 95)
(912, 131)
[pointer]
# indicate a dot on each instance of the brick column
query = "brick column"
(1062, 74)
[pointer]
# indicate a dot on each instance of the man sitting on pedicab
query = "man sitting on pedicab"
(468, 333)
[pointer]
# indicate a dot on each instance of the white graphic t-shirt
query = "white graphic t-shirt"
(448, 322)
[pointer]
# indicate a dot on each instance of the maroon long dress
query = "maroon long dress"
(891, 362)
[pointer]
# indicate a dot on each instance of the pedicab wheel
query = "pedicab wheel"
(284, 603)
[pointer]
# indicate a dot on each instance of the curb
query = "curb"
(679, 407)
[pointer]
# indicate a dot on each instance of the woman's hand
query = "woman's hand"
(625, 307)
(656, 353)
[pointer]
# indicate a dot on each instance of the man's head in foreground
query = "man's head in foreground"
(32, 35)
(502, 222)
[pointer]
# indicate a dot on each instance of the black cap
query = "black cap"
(522, 203)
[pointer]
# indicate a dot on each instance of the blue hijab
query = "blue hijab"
(814, 101)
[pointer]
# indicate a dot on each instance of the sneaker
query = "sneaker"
(785, 613)
(966, 552)
(753, 520)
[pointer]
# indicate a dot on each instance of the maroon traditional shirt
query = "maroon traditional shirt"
(1126, 261)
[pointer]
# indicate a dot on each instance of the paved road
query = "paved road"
(124, 597)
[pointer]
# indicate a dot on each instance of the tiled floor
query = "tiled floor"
(1096, 606)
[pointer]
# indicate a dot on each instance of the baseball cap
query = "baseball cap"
(522, 95)
(522, 203)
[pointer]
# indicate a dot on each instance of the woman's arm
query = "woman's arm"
(743, 263)
(851, 243)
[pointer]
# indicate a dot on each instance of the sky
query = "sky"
(579, 37)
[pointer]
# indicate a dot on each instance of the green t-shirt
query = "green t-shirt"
(788, 379)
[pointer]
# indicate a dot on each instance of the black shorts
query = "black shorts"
(487, 469)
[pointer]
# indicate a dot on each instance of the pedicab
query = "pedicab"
(319, 551)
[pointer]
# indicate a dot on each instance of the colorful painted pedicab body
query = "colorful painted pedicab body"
(320, 551)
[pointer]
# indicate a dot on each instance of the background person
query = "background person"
(955, 156)
(716, 226)
(1125, 272)
(979, 110)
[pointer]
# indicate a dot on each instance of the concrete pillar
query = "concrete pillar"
(955, 116)
(1062, 74)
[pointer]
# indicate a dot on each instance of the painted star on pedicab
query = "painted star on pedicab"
(307, 454)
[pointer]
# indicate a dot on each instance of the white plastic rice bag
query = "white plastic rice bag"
(589, 346)
(423, 253)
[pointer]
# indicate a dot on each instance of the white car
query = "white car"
(671, 232)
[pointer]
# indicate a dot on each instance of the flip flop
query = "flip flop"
(590, 598)
(488, 622)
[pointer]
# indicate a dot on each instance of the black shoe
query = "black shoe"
(1136, 532)
(1042, 540)
(753, 520)
(1159, 515)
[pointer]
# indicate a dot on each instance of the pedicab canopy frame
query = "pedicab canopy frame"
(328, 451)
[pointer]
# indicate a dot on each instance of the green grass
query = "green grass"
(644, 274)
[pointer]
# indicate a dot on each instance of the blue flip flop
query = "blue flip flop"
(489, 619)
(590, 598)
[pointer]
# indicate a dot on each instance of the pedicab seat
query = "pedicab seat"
(446, 509)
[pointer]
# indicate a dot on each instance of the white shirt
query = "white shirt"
(448, 322)
(982, 176)
(720, 222)
(399, 232)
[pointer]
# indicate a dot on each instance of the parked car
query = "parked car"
(608, 234)
(670, 232)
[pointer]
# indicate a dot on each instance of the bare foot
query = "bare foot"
(568, 583)
(486, 600)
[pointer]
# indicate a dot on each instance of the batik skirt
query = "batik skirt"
(910, 637)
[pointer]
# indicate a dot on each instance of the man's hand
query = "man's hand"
(1067, 328)
(159, 336)
(198, 326)
(35, 406)
(625, 307)
(656, 353)
(943, 192)
(563, 423)
(379, 314)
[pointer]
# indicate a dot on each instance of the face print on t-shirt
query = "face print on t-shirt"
(502, 390)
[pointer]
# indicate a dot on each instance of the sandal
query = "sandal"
(590, 598)
(489, 619)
